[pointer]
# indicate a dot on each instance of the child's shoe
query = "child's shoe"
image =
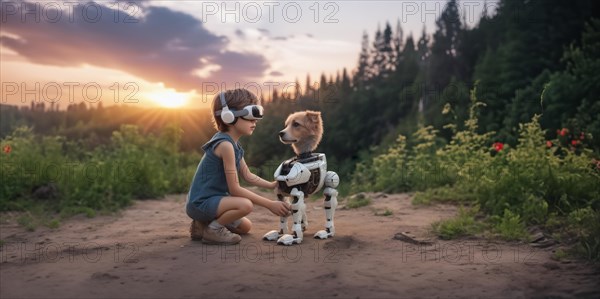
(220, 236)
(197, 230)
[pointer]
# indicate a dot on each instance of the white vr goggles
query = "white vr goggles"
(250, 112)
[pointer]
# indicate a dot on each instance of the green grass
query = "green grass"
(50, 178)
(510, 226)
(28, 221)
(357, 201)
(464, 224)
(441, 195)
(560, 254)
(385, 213)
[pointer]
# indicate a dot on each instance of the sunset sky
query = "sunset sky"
(180, 53)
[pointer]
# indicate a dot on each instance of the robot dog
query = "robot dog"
(304, 175)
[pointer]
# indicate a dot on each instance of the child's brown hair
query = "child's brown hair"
(236, 99)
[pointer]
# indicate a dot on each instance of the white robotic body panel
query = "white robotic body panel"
(278, 171)
(321, 165)
(322, 170)
(332, 180)
(299, 174)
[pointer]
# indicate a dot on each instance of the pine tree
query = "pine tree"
(345, 82)
(361, 75)
(423, 46)
(308, 89)
(275, 96)
(397, 44)
(445, 43)
(297, 90)
(377, 59)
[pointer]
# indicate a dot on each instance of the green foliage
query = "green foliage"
(559, 254)
(509, 226)
(442, 194)
(56, 174)
(386, 212)
(585, 223)
(360, 200)
(387, 173)
(462, 225)
(517, 186)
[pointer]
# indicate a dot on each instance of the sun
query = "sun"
(169, 98)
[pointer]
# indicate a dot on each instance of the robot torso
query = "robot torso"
(305, 174)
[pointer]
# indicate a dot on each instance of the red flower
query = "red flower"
(574, 142)
(498, 146)
(564, 132)
(549, 143)
(7, 149)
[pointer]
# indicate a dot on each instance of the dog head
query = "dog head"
(303, 130)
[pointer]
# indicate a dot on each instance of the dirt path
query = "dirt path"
(146, 252)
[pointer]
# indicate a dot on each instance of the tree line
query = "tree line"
(526, 58)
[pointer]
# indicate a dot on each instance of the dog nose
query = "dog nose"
(281, 133)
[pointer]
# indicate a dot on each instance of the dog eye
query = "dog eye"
(295, 124)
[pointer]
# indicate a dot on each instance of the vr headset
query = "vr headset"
(250, 112)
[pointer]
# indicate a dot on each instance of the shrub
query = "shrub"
(517, 186)
(55, 173)
(462, 225)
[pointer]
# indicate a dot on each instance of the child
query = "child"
(216, 202)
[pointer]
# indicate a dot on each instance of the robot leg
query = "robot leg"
(330, 204)
(298, 209)
(283, 228)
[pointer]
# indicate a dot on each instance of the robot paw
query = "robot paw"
(323, 234)
(288, 240)
(271, 236)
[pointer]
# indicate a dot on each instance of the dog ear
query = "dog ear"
(314, 116)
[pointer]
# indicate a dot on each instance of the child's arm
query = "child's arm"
(253, 178)
(225, 151)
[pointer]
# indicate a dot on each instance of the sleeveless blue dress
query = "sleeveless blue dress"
(209, 185)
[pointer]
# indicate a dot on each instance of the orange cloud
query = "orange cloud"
(157, 45)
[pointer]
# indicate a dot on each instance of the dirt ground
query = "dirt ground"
(146, 252)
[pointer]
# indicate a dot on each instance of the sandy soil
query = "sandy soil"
(145, 251)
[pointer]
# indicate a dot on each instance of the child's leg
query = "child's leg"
(233, 208)
(243, 228)
(228, 210)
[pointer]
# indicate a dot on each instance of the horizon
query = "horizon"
(179, 54)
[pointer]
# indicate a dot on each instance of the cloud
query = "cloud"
(240, 33)
(276, 74)
(156, 44)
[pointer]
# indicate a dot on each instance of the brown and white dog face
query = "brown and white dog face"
(303, 130)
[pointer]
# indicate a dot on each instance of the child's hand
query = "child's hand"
(280, 208)
(274, 185)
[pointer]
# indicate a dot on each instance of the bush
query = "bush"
(510, 226)
(517, 186)
(56, 173)
(462, 225)
(585, 225)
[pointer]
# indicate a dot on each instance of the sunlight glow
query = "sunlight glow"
(169, 98)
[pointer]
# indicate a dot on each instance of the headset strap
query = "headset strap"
(223, 102)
